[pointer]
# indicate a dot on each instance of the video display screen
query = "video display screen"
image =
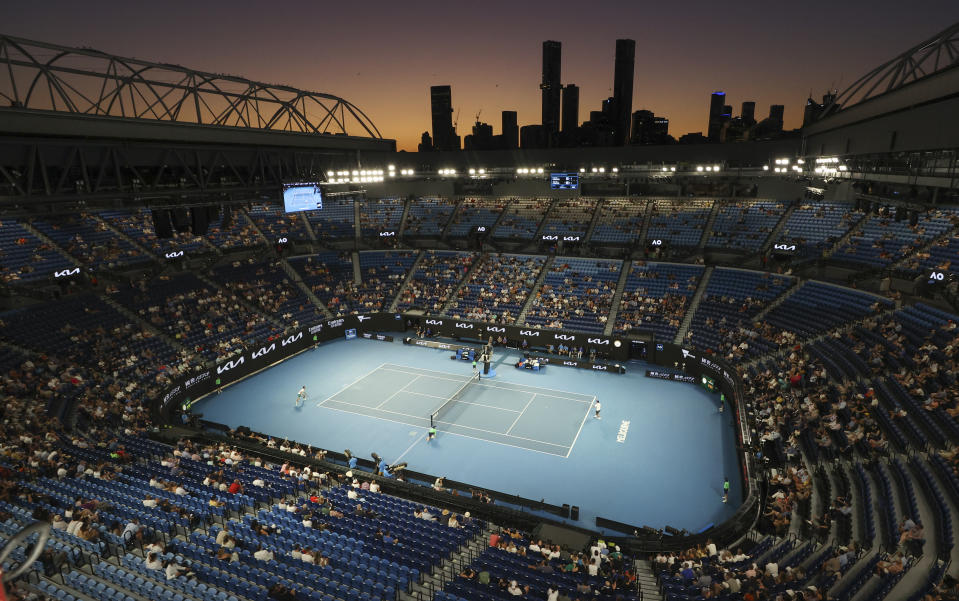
(564, 181)
(302, 196)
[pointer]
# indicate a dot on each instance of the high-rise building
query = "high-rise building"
(510, 130)
(532, 136)
(715, 123)
(748, 113)
(623, 89)
(570, 108)
(441, 107)
(647, 128)
(426, 142)
(551, 85)
(481, 138)
(776, 116)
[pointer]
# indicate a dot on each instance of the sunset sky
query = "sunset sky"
(384, 56)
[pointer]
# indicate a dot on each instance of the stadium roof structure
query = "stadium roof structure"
(933, 55)
(83, 81)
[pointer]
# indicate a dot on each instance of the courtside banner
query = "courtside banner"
(271, 351)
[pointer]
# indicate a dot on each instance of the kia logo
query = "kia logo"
(495, 329)
(600, 367)
(571, 363)
(528, 333)
(66, 272)
(291, 339)
(385, 234)
(597, 341)
(564, 337)
(434, 322)
(785, 247)
(465, 326)
(263, 350)
(571, 238)
(174, 254)
(230, 365)
(549, 237)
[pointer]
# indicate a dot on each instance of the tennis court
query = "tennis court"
(528, 417)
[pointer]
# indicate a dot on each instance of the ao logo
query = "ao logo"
(282, 241)
(785, 247)
(937, 276)
(657, 243)
(174, 255)
(66, 272)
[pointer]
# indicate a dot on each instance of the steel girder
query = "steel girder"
(937, 53)
(40, 170)
(41, 76)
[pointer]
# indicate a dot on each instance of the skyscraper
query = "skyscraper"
(551, 85)
(715, 124)
(570, 108)
(441, 107)
(748, 113)
(776, 116)
(510, 130)
(623, 90)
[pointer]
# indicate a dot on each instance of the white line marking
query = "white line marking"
(585, 417)
(398, 391)
(565, 398)
(518, 388)
(488, 406)
(350, 385)
(505, 444)
(554, 444)
(521, 413)
(403, 454)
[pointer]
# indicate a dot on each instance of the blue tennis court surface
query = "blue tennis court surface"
(658, 456)
(517, 415)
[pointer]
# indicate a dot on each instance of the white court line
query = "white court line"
(351, 384)
(535, 389)
(528, 403)
(408, 449)
(489, 406)
(552, 396)
(554, 444)
(398, 391)
(505, 444)
(585, 417)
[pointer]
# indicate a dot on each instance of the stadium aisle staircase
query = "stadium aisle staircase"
(708, 228)
(617, 298)
(298, 280)
(597, 210)
(774, 234)
(133, 317)
(693, 305)
(452, 219)
(466, 277)
(406, 280)
(553, 204)
(648, 586)
(792, 290)
(521, 318)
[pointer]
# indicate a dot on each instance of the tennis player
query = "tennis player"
(597, 407)
(431, 434)
(300, 396)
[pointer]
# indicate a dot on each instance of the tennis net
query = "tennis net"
(434, 416)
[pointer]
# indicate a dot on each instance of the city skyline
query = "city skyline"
(387, 63)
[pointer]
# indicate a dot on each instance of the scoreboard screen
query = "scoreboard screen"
(302, 196)
(563, 181)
